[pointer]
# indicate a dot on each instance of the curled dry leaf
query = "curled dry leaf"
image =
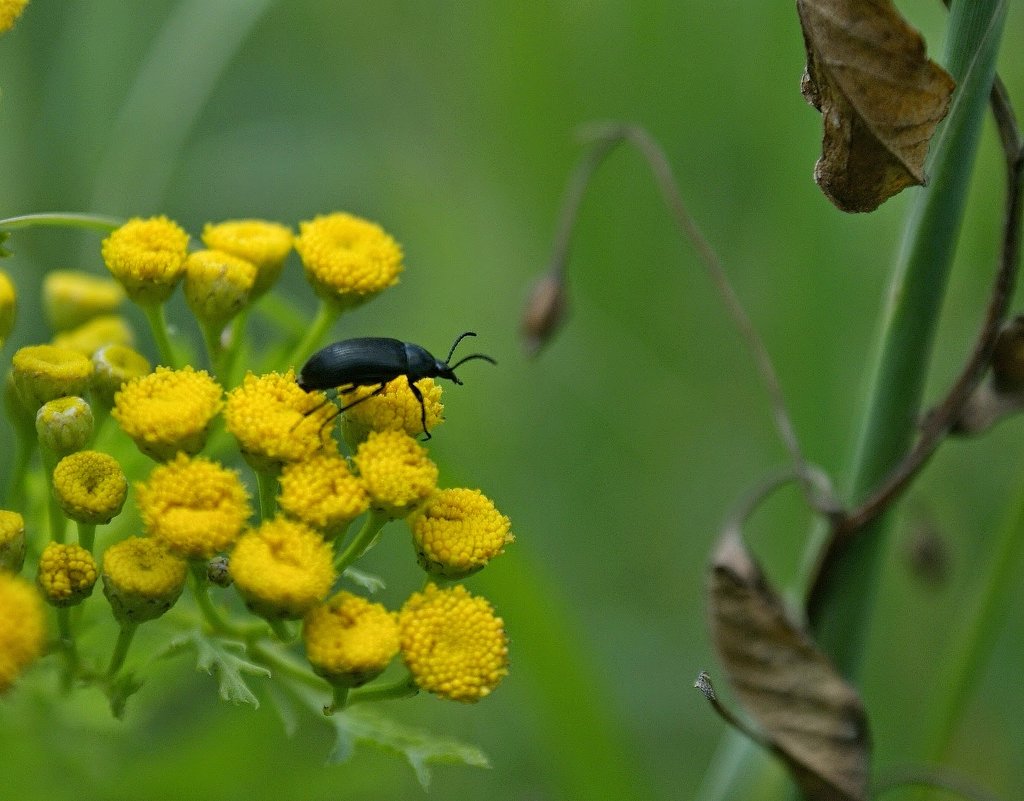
(813, 719)
(879, 95)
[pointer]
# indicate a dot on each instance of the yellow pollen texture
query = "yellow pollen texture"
(322, 492)
(262, 243)
(283, 568)
(350, 640)
(22, 630)
(194, 506)
(67, 574)
(396, 408)
(396, 470)
(44, 372)
(168, 410)
(147, 256)
(90, 486)
(452, 643)
(141, 578)
(347, 258)
(458, 531)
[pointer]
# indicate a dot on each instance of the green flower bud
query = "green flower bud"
(217, 285)
(64, 425)
(113, 367)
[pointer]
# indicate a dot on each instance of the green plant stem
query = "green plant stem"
(327, 314)
(229, 355)
(27, 442)
(402, 687)
(124, 641)
(86, 535)
(216, 355)
(843, 602)
(201, 592)
(339, 699)
(362, 542)
(158, 326)
(68, 645)
(63, 219)
(267, 486)
(58, 521)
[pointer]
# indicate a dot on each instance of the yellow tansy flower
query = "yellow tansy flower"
(67, 574)
(22, 628)
(457, 532)
(350, 640)
(217, 285)
(282, 569)
(90, 486)
(8, 306)
(396, 470)
(148, 257)
(394, 409)
(322, 492)
(64, 425)
(262, 243)
(44, 372)
(273, 420)
(12, 541)
(347, 259)
(141, 579)
(72, 297)
(168, 410)
(89, 337)
(194, 506)
(10, 10)
(453, 643)
(113, 367)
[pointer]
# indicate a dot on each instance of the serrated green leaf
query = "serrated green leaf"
(220, 658)
(368, 581)
(420, 748)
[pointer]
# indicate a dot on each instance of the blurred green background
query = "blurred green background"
(619, 452)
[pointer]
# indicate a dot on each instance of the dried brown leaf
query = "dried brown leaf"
(879, 95)
(811, 716)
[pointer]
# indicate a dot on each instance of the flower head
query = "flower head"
(452, 643)
(44, 372)
(262, 243)
(148, 257)
(64, 425)
(194, 506)
(141, 579)
(8, 307)
(72, 297)
(22, 628)
(396, 470)
(12, 542)
(348, 259)
(457, 532)
(90, 486)
(10, 10)
(217, 285)
(113, 367)
(322, 492)
(394, 409)
(350, 640)
(274, 420)
(89, 337)
(168, 410)
(282, 569)
(67, 574)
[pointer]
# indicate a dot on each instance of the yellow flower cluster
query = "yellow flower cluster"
(263, 244)
(43, 372)
(22, 629)
(10, 10)
(90, 486)
(322, 492)
(168, 411)
(350, 640)
(142, 579)
(394, 409)
(194, 506)
(147, 257)
(67, 574)
(457, 532)
(396, 471)
(453, 643)
(12, 541)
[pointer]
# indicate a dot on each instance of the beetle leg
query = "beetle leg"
(423, 409)
(377, 391)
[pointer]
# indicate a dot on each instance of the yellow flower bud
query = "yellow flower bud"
(12, 542)
(90, 336)
(217, 285)
(350, 640)
(141, 579)
(148, 257)
(322, 492)
(90, 487)
(67, 574)
(396, 471)
(457, 532)
(22, 628)
(64, 425)
(8, 307)
(113, 367)
(347, 259)
(71, 297)
(44, 372)
(262, 243)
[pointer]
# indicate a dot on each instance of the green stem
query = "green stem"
(124, 641)
(339, 700)
(326, 315)
(158, 325)
(362, 542)
(69, 646)
(846, 591)
(229, 356)
(403, 687)
(201, 592)
(267, 486)
(58, 521)
(27, 441)
(86, 535)
(215, 352)
(63, 219)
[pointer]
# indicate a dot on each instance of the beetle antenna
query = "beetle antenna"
(465, 359)
(455, 344)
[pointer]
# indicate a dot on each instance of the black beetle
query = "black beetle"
(366, 361)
